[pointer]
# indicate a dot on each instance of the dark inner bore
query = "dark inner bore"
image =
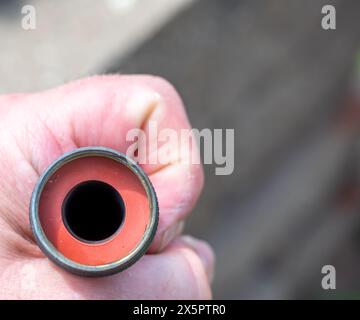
(93, 211)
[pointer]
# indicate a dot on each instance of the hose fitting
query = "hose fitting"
(94, 211)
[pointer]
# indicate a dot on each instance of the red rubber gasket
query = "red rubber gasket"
(132, 238)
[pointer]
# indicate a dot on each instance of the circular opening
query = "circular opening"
(93, 211)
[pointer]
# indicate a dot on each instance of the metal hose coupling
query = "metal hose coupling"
(94, 211)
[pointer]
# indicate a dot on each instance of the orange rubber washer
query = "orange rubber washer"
(94, 211)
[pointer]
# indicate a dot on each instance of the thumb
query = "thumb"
(97, 111)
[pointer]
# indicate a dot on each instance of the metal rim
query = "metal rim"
(85, 270)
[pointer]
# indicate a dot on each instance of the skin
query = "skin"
(38, 128)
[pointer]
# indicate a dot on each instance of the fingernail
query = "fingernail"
(205, 252)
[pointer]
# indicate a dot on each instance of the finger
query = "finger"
(203, 250)
(167, 236)
(99, 111)
(180, 272)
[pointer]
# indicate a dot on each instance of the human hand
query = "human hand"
(38, 128)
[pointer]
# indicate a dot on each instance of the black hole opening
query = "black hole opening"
(93, 211)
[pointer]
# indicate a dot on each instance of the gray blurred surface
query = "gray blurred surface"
(267, 69)
(73, 38)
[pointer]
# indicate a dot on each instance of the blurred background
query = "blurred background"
(267, 69)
